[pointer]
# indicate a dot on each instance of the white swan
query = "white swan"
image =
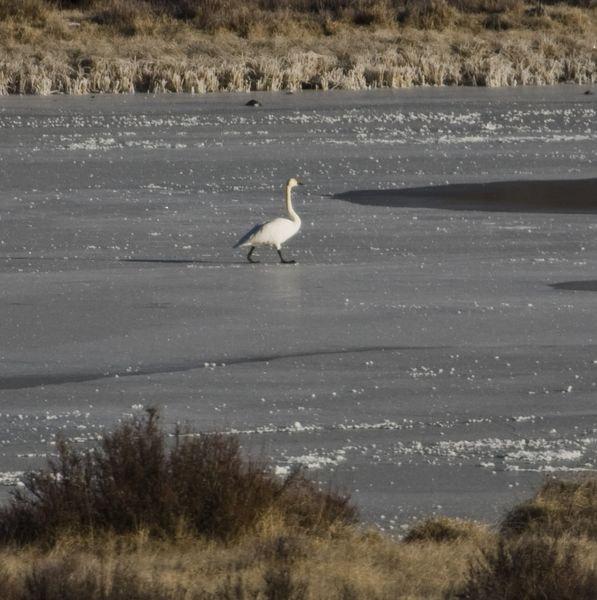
(274, 233)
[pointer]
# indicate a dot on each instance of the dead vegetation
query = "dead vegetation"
(272, 566)
(151, 516)
(134, 481)
(124, 46)
(559, 508)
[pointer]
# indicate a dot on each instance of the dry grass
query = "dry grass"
(345, 564)
(121, 46)
(277, 562)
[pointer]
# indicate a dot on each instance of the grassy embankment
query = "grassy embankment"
(148, 517)
(83, 46)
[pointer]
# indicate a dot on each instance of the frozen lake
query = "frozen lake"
(435, 347)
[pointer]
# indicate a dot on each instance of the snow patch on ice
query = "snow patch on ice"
(11, 478)
(93, 143)
(311, 461)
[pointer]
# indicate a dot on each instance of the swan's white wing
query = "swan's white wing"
(246, 239)
(275, 233)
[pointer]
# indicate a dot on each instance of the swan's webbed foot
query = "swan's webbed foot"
(249, 258)
(284, 261)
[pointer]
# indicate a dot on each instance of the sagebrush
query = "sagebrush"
(135, 481)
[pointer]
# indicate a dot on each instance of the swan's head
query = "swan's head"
(293, 183)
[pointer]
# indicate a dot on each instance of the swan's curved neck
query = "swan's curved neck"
(291, 212)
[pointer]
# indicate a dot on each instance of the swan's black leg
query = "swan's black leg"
(249, 256)
(283, 260)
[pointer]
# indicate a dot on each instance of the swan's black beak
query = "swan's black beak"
(299, 182)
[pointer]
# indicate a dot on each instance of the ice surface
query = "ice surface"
(423, 359)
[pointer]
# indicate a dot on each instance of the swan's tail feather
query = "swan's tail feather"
(246, 239)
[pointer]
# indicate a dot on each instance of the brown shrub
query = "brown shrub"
(370, 12)
(442, 529)
(559, 507)
(427, 14)
(120, 15)
(530, 568)
(500, 6)
(180, 9)
(571, 19)
(133, 481)
(497, 22)
(23, 10)
(80, 4)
